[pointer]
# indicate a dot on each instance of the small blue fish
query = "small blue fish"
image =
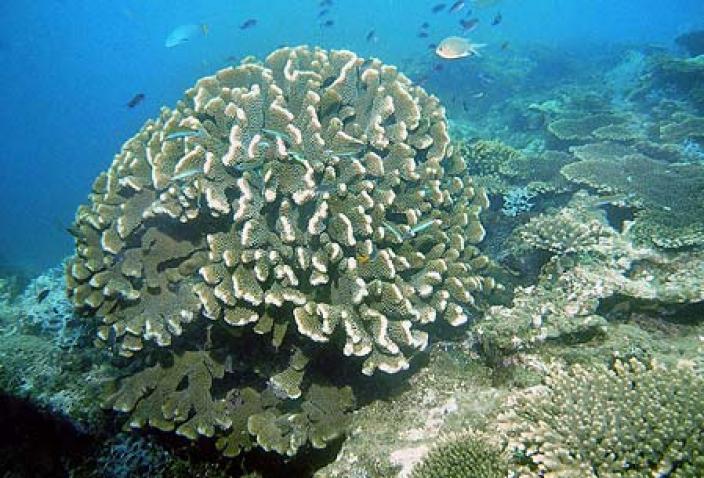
(393, 230)
(185, 133)
(186, 174)
(457, 6)
(277, 134)
(420, 228)
(249, 23)
(298, 157)
(185, 33)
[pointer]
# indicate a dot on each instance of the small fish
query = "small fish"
(323, 12)
(478, 95)
(249, 23)
(325, 3)
(74, 230)
(185, 33)
(366, 257)
(457, 6)
(497, 19)
(272, 133)
(452, 48)
(341, 154)
(324, 190)
(371, 36)
(465, 107)
(186, 174)
(298, 157)
(485, 78)
(42, 295)
(438, 8)
(249, 165)
(469, 25)
(366, 64)
(422, 34)
(327, 23)
(438, 67)
(504, 46)
(393, 230)
(615, 199)
(420, 227)
(136, 99)
(425, 25)
(363, 258)
(432, 46)
(185, 133)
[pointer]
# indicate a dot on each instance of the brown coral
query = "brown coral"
(309, 200)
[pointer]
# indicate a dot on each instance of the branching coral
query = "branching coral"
(460, 458)
(631, 420)
(313, 199)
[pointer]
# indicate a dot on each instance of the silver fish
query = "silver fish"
(185, 133)
(186, 174)
(420, 227)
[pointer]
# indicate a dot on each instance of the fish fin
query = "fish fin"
(475, 48)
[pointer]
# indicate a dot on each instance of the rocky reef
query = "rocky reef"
(304, 205)
(288, 270)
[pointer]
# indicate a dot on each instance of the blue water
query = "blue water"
(70, 66)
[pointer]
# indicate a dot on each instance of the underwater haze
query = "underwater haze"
(70, 68)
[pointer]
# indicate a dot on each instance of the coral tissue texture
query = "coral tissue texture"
(313, 198)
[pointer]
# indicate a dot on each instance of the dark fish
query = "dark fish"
(469, 25)
(325, 3)
(371, 36)
(504, 45)
(248, 23)
(432, 46)
(137, 99)
(438, 8)
(74, 230)
(457, 6)
(366, 64)
(425, 25)
(422, 34)
(465, 107)
(42, 295)
(438, 67)
(497, 19)
(323, 12)
(327, 23)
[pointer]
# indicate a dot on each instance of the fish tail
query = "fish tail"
(475, 48)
